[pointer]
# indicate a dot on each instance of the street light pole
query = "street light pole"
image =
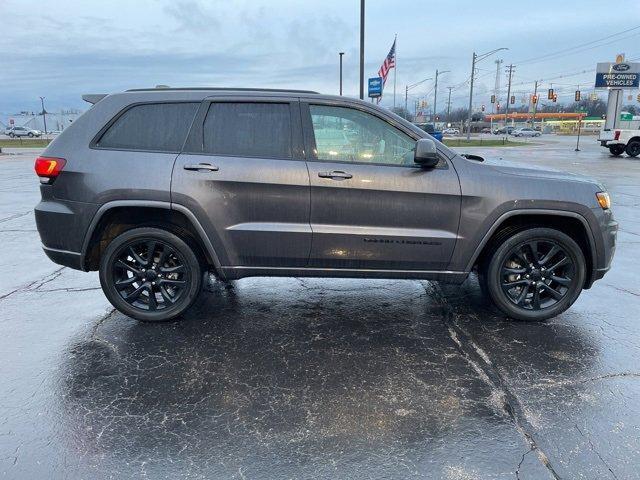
(476, 58)
(361, 49)
(449, 105)
(409, 87)
(341, 54)
(44, 114)
(435, 97)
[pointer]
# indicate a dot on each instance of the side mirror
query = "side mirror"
(426, 154)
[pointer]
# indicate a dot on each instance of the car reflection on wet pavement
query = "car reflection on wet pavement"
(318, 378)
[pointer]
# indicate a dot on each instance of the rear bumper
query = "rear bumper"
(64, 257)
(62, 226)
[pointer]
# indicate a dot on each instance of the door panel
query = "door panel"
(383, 217)
(254, 209)
(374, 209)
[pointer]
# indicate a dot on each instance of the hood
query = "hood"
(533, 171)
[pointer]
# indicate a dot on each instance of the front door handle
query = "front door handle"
(336, 175)
(201, 166)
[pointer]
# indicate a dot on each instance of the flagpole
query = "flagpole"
(395, 69)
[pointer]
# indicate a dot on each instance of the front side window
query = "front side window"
(349, 135)
(158, 127)
(248, 129)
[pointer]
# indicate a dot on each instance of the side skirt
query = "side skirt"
(234, 273)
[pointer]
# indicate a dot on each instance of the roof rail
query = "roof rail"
(228, 89)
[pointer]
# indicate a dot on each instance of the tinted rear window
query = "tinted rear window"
(158, 126)
(248, 129)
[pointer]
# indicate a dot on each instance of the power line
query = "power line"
(578, 46)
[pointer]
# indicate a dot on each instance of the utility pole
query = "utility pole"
(476, 58)
(435, 97)
(535, 105)
(449, 105)
(506, 114)
(496, 89)
(361, 49)
(473, 74)
(579, 125)
(44, 114)
(341, 54)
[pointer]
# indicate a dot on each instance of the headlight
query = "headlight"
(604, 200)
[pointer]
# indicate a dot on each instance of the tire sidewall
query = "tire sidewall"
(114, 297)
(631, 147)
(495, 265)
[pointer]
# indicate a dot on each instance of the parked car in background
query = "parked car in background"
(485, 130)
(620, 141)
(525, 132)
(450, 131)
(430, 129)
(504, 130)
(22, 132)
(155, 187)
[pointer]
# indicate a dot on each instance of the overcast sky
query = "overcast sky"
(62, 49)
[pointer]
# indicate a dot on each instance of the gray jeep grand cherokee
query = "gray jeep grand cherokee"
(155, 187)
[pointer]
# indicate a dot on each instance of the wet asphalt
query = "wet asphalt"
(309, 378)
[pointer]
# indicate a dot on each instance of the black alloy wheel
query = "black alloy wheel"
(536, 274)
(633, 149)
(616, 150)
(150, 274)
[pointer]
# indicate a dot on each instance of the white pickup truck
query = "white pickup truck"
(620, 140)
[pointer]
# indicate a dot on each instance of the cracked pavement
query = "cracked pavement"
(319, 378)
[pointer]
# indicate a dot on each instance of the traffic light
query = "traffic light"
(513, 99)
(550, 94)
(483, 107)
(493, 99)
(497, 107)
(555, 97)
(534, 99)
(577, 97)
(638, 97)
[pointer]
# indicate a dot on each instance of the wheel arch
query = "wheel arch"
(116, 217)
(571, 223)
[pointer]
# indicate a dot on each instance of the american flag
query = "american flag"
(388, 64)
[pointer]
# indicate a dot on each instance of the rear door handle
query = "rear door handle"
(201, 166)
(336, 175)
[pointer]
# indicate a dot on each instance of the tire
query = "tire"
(513, 285)
(175, 276)
(30, 134)
(633, 148)
(616, 150)
(11, 135)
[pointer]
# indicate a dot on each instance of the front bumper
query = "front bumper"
(609, 232)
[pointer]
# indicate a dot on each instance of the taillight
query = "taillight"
(616, 135)
(48, 168)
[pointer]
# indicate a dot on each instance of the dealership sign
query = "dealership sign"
(375, 87)
(618, 75)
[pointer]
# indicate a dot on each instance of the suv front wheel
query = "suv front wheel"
(150, 274)
(535, 274)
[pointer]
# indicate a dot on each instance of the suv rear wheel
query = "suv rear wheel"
(535, 274)
(150, 274)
